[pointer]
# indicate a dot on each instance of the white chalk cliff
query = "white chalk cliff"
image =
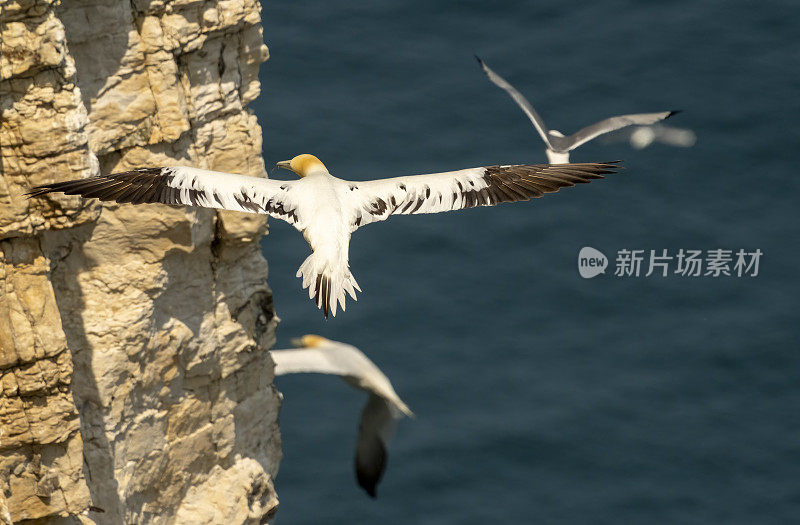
(134, 376)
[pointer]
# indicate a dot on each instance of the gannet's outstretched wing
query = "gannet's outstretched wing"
(376, 200)
(323, 356)
(521, 101)
(308, 361)
(606, 126)
(375, 430)
(181, 185)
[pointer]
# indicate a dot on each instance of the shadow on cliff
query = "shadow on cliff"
(240, 276)
(98, 46)
(63, 249)
(98, 37)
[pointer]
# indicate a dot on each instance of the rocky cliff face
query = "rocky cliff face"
(134, 376)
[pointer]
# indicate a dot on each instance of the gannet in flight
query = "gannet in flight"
(557, 146)
(326, 209)
(381, 412)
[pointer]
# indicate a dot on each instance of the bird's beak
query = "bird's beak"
(285, 164)
(297, 341)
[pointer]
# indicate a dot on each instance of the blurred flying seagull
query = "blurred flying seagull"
(327, 209)
(557, 146)
(640, 137)
(381, 412)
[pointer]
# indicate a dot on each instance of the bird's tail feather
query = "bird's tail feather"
(327, 283)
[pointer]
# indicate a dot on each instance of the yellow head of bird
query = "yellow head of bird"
(303, 164)
(309, 341)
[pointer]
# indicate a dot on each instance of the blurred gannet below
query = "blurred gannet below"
(557, 146)
(326, 209)
(381, 412)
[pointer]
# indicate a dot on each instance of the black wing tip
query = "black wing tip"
(370, 470)
(673, 112)
(38, 191)
(610, 167)
(368, 483)
(65, 186)
(483, 65)
(612, 164)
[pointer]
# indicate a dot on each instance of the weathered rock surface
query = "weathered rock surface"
(134, 376)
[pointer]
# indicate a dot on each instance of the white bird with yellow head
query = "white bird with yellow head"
(317, 355)
(326, 209)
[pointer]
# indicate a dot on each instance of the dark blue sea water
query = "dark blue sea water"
(542, 397)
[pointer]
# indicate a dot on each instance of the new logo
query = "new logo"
(591, 262)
